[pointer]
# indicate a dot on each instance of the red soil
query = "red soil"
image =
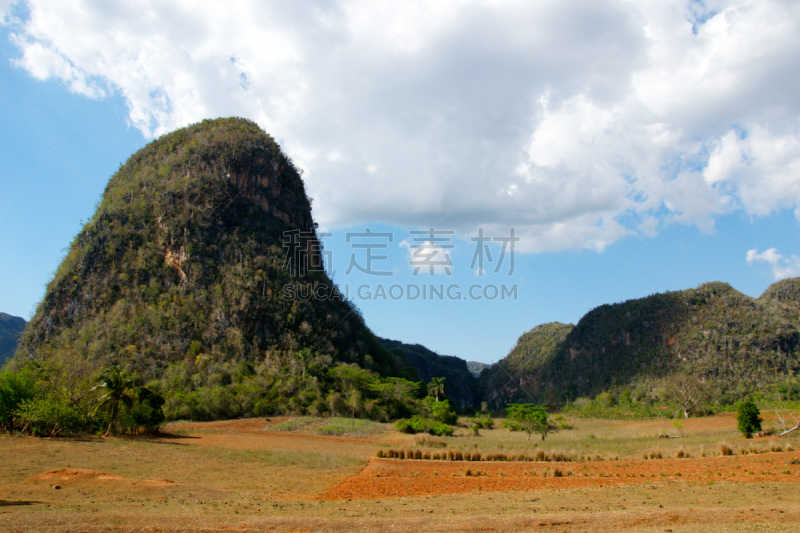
(383, 478)
(67, 476)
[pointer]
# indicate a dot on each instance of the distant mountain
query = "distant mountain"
(735, 343)
(10, 329)
(476, 368)
(460, 384)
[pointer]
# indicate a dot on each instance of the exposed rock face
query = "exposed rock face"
(185, 257)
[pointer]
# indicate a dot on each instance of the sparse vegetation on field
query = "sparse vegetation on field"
(349, 427)
(337, 426)
(219, 473)
(294, 424)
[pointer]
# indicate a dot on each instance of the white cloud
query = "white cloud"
(575, 124)
(428, 258)
(782, 267)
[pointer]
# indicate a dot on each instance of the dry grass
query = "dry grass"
(243, 475)
(429, 441)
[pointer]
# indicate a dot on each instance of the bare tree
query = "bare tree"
(686, 390)
(788, 419)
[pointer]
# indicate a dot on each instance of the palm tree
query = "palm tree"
(116, 382)
(436, 387)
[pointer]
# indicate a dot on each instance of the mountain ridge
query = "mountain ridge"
(736, 343)
(11, 327)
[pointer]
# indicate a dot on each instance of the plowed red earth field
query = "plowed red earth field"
(383, 478)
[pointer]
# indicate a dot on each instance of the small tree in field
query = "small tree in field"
(529, 418)
(687, 391)
(749, 418)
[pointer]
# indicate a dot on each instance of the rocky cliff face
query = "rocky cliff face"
(185, 262)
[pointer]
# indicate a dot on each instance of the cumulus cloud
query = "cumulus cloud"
(782, 267)
(574, 124)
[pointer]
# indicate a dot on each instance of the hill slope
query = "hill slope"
(10, 329)
(180, 276)
(460, 384)
(736, 343)
(476, 367)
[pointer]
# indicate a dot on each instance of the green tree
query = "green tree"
(397, 389)
(529, 418)
(117, 384)
(14, 390)
(441, 411)
(436, 387)
(749, 418)
(48, 416)
(147, 412)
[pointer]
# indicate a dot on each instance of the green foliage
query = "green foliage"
(116, 385)
(436, 388)
(440, 411)
(15, 388)
(483, 422)
(460, 384)
(420, 424)
(583, 408)
(530, 418)
(48, 417)
(605, 399)
(343, 426)
(749, 418)
(480, 422)
(42, 399)
(147, 413)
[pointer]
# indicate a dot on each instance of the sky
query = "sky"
(633, 146)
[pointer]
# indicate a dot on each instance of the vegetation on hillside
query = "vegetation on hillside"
(459, 385)
(476, 367)
(179, 277)
(731, 343)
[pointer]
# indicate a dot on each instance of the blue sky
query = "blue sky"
(625, 168)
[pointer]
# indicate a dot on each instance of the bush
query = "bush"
(14, 389)
(419, 424)
(483, 422)
(48, 417)
(441, 411)
(146, 412)
(749, 418)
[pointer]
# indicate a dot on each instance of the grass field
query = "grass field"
(243, 475)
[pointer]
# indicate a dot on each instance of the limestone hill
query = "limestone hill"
(735, 343)
(180, 276)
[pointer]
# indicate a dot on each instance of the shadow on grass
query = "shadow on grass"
(10, 503)
(165, 438)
